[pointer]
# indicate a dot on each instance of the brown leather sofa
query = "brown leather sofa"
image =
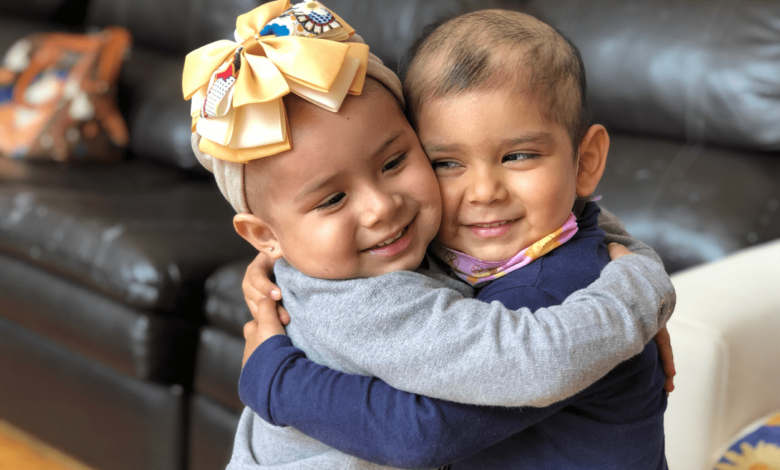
(112, 349)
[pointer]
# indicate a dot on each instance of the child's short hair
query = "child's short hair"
(489, 49)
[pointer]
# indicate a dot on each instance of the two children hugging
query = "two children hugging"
(514, 342)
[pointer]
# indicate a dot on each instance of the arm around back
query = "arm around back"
(365, 417)
(436, 343)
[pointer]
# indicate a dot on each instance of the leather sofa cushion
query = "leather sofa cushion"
(140, 344)
(697, 70)
(157, 116)
(140, 233)
(391, 28)
(218, 367)
(103, 418)
(172, 26)
(225, 305)
(691, 203)
(69, 12)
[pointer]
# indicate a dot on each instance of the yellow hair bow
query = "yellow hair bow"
(236, 88)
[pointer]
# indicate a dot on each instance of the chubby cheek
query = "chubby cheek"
(451, 198)
(323, 249)
(551, 203)
(423, 189)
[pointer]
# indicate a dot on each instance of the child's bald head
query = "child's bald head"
(492, 49)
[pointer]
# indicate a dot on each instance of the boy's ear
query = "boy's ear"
(593, 157)
(258, 233)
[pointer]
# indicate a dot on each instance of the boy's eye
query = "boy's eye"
(393, 164)
(334, 200)
(444, 164)
(519, 157)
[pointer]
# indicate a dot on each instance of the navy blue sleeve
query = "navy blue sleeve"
(365, 417)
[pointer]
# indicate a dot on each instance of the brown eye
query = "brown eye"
(332, 201)
(519, 157)
(393, 164)
(444, 165)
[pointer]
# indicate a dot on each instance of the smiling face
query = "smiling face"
(507, 175)
(356, 197)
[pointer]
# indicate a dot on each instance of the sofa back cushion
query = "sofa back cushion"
(173, 26)
(699, 70)
(64, 12)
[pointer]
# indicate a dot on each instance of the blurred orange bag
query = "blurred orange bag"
(58, 97)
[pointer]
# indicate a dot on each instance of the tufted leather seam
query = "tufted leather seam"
(714, 36)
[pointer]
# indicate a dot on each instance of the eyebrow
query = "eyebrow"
(533, 138)
(387, 143)
(316, 186)
(321, 184)
(429, 149)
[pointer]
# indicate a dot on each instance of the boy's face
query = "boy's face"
(356, 197)
(508, 176)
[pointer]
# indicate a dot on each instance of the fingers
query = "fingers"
(268, 319)
(249, 329)
(257, 286)
(266, 311)
(617, 250)
(250, 332)
(266, 324)
(251, 295)
(284, 317)
(257, 283)
(664, 343)
(669, 385)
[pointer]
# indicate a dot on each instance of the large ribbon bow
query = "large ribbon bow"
(236, 88)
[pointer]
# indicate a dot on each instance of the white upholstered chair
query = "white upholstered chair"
(726, 339)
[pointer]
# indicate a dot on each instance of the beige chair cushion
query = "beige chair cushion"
(726, 338)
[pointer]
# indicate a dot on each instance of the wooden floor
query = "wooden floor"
(20, 451)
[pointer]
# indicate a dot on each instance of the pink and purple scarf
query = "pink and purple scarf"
(475, 271)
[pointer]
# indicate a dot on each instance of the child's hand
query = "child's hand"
(617, 250)
(257, 285)
(664, 343)
(266, 324)
(662, 339)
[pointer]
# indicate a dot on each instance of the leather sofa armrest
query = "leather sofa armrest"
(725, 339)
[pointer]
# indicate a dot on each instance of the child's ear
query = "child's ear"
(593, 157)
(257, 232)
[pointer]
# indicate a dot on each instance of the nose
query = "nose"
(485, 187)
(378, 206)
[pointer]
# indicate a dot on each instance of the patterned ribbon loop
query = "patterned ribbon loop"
(236, 88)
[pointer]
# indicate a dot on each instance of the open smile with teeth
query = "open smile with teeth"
(496, 224)
(391, 239)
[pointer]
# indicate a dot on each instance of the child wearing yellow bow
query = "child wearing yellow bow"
(337, 189)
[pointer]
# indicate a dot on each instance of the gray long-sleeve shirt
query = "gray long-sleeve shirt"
(419, 332)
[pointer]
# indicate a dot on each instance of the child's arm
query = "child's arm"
(365, 417)
(616, 233)
(435, 343)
